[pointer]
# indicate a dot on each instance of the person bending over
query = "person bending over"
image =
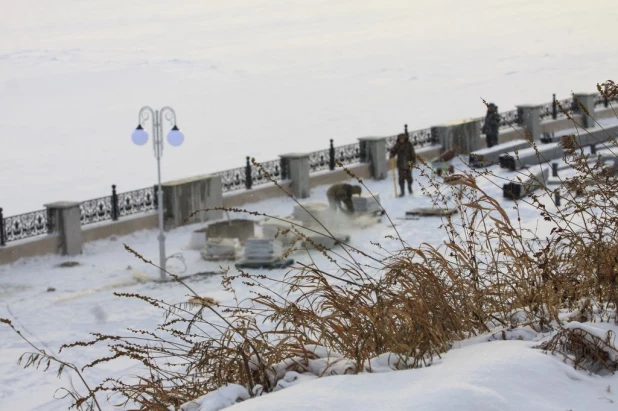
(340, 195)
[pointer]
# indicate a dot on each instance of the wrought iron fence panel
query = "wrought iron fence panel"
(273, 168)
(94, 211)
(26, 225)
(137, 201)
(348, 154)
(421, 138)
(319, 160)
(547, 110)
(599, 100)
(390, 143)
(568, 104)
(509, 118)
(233, 179)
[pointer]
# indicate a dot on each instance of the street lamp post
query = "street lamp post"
(175, 137)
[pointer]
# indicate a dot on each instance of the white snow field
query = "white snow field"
(474, 375)
(269, 76)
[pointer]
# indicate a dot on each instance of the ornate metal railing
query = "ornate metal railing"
(97, 210)
(390, 143)
(547, 110)
(509, 118)
(601, 100)
(274, 168)
(233, 179)
(137, 201)
(348, 154)
(568, 105)
(23, 226)
(419, 138)
(319, 160)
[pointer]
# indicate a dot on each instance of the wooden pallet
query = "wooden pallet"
(268, 265)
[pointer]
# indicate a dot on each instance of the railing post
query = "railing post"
(554, 108)
(530, 119)
(405, 130)
(284, 168)
(331, 156)
(248, 174)
(65, 217)
(585, 100)
(297, 171)
(375, 155)
(557, 198)
(114, 203)
(155, 200)
(2, 234)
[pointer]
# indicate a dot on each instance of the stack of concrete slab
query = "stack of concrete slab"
(282, 230)
(491, 155)
(366, 203)
(316, 209)
(554, 151)
(264, 253)
(532, 156)
(263, 249)
(221, 249)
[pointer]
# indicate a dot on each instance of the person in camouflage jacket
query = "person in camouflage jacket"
(406, 158)
(340, 195)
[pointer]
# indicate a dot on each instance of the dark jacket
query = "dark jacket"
(492, 121)
(406, 156)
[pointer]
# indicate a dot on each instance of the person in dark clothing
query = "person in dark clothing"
(492, 124)
(406, 158)
(341, 194)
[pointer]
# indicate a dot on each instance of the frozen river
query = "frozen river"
(262, 78)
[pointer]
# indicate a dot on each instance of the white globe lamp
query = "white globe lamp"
(175, 137)
(139, 136)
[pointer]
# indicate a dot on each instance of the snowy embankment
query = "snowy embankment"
(497, 375)
(476, 374)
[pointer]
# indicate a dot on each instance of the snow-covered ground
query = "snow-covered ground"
(479, 375)
(269, 76)
(489, 376)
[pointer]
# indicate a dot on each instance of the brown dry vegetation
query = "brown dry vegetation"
(414, 302)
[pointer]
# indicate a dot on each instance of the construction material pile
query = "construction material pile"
(263, 249)
(221, 249)
(367, 203)
(264, 253)
(284, 231)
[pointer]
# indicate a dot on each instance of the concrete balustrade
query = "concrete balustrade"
(183, 197)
